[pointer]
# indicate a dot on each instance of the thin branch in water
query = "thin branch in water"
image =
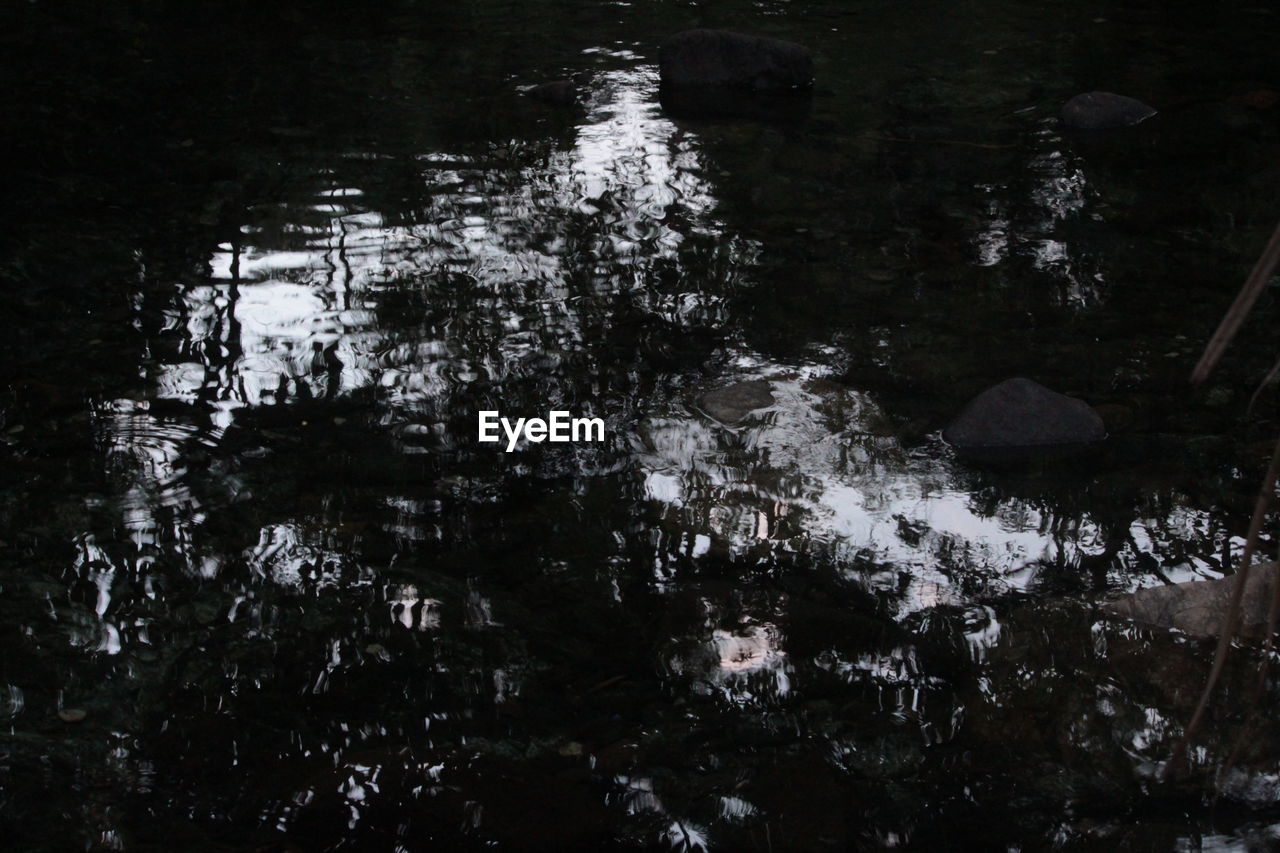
(1232, 615)
(1255, 695)
(1240, 308)
(1266, 380)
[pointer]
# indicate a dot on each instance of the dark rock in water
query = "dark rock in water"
(1104, 110)
(562, 93)
(787, 107)
(732, 403)
(717, 58)
(1020, 413)
(1197, 607)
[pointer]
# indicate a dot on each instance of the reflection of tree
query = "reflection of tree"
(413, 609)
(530, 268)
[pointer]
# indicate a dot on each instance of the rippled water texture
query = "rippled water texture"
(262, 588)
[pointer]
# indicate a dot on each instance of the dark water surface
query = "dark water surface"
(264, 268)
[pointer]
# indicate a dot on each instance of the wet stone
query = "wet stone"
(718, 58)
(732, 403)
(1103, 111)
(1020, 413)
(72, 715)
(1197, 607)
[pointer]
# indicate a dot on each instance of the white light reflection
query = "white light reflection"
(817, 477)
(298, 559)
(290, 309)
(412, 609)
(499, 225)
(686, 837)
(744, 666)
(1060, 194)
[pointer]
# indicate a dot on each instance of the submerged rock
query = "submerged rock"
(782, 107)
(562, 93)
(718, 58)
(1104, 110)
(1197, 607)
(732, 403)
(1021, 413)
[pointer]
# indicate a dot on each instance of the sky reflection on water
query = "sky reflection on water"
(301, 597)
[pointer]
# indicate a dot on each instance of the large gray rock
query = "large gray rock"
(1197, 607)
(1104, 110)
(718, 58)
(1020, 413)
